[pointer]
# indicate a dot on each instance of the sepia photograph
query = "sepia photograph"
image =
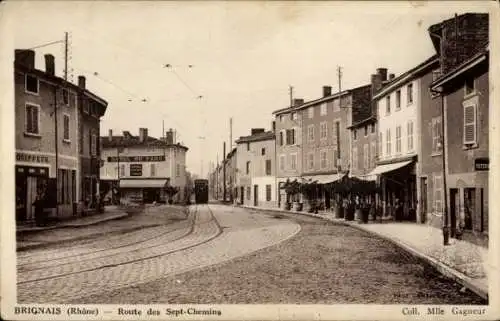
(267, 160)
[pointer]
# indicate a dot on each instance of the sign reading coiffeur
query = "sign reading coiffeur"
(31, 158)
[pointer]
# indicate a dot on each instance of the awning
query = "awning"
(387, 168)
(366, 177)
(143, 183)
(324, 179)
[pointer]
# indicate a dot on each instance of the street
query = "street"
(223, 254)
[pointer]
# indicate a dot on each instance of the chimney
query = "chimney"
(126, 134)
(169, 137)
(49, 64)
(391, 76)
(143, 134)
(25, 58)
(376, 82)
(327, 91)
(81, 82)
(110, 135)
(274, 126)
(298, 102)
(255, 131)
(383, 73)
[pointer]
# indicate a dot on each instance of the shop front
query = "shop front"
(30, 181)
(143, 190)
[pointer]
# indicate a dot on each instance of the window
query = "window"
(323, 109)
(398, 99)
(323, 130)
(281, 118)
(31, 84)
(281, 138)
(373, 153)
(122, 170)
(470, 120)
(310, 162)
(66, 127)
(398, 139)
(469, 86)
(93, 144)
(249, 193)
(65, 96)
(354, 134)
(268, 192)
(152, 169)
(248, 146)
(282, 162)
(32, 119)
(263, 151)
(336, 159)
(438, 194)
(355, 158)
(409, 93)
(336, 105)
(248, 168)
(177, 170)
(293, 161)
(268, 167)
(379, 152)
(366, 130)
(436, 135)
(388, 141)
(85, 104)
(388, 105)
(366, 156)
(290, 136)
(294, 116)
(311, 112)
(409, 131)
(323, 159)
(310, 133)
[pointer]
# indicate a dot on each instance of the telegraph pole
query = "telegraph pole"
(339, 74)
(224, 172)
(230, 134)
(290, 88)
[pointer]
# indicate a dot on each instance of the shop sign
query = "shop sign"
(482, 164)
(135, 169)
(150, 158)
(32, 158)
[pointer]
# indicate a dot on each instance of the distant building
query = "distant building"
(141, 167)
(461, 44)
(48, 116)
(256, 180)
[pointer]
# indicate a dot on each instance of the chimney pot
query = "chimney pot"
(25, 57)
(383, 73)
(110, 135)
(391, 76)
(49, 64)
(298, 102)
(327, 91)
(81, 82)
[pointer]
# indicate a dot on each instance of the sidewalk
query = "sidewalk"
(461, 261)
(110, 213)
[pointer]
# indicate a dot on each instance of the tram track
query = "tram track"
(141, 259)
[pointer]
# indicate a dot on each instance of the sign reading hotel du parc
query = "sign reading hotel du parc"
(150, 158)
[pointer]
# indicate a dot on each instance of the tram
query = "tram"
(201, 191)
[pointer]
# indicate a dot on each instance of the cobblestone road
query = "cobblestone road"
(207, 237)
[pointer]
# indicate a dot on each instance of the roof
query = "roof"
(122, 141)
(363, 122)
(60, 81)
(256, 137)
(407, 76)
(466, 65)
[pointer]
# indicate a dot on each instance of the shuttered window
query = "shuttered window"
(268, 193)
(32, 119)
(438, 194)
(388, 142)
(66, 127)
(323, 158)
(409, 131)
(436, 135)
(470, 121)
(282, 162)
(398, 139)
(323, 131)
(268, 167)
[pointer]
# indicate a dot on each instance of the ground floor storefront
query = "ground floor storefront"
(143, 190)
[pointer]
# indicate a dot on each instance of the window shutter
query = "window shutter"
(470, 124)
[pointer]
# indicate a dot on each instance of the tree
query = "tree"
(171, 191)
(292, 188)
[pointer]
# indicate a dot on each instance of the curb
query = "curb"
(442, 268)
(70, 225)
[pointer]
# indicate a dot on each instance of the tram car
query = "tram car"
(201, 191)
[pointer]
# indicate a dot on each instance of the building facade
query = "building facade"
(462, 46)
(142, 167)
(47, 138)
(256, 180)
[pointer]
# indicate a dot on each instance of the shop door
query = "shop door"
(21, 197)
(469, 207)
(30, 197)
(454, 208)
(423, 199)
(256, 195)
(242, 195)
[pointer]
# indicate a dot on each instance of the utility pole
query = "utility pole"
(66, 56)
(290, 88)
(339, 74)
(224, 171)
(230, 134)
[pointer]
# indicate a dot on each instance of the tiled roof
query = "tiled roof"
(256, 137)
(129, 141)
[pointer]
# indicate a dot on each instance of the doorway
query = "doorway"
(423, 200)
(242, 195)
(454, 208)
(256, 195)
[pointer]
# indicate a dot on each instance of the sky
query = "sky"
(197, 64)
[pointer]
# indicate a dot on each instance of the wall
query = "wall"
(284, 122)
(359, 169)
